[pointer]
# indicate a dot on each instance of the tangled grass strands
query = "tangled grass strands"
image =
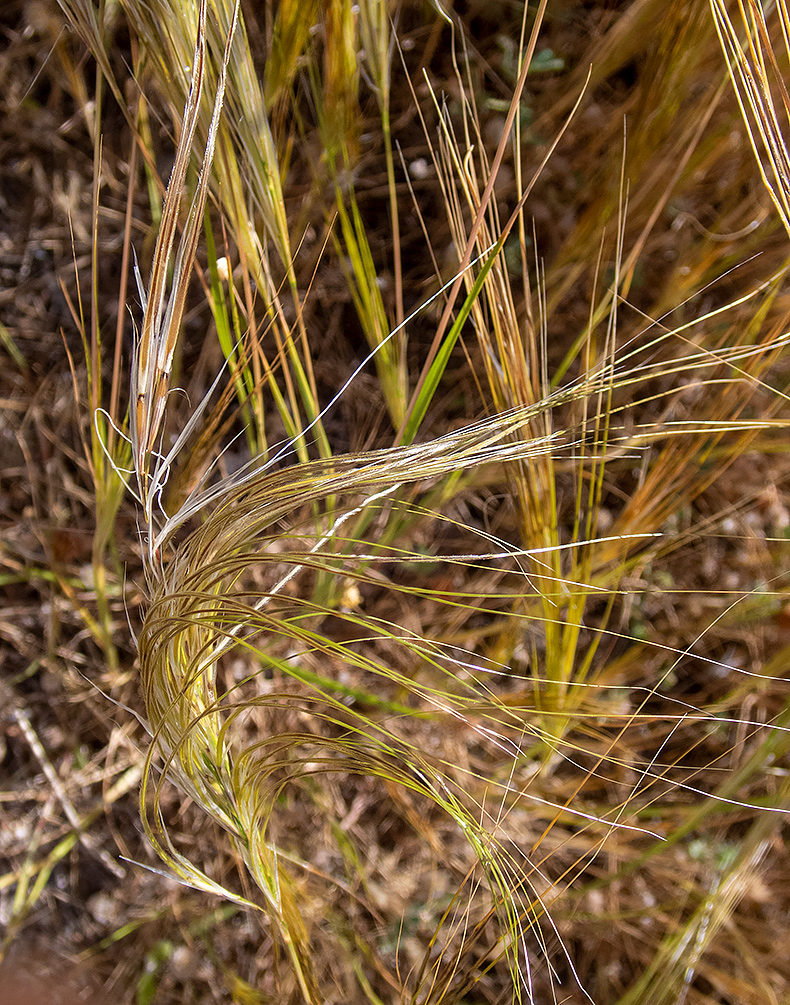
(191, 627)
(262, 686)
(202, 612)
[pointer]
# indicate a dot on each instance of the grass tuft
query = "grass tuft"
(430, 575)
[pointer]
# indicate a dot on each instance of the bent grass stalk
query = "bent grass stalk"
(187, 630)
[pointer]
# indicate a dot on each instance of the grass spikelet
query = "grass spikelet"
(163, 310)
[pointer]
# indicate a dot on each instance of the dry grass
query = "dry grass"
(497, 712)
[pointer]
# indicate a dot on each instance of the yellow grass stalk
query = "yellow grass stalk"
(676, 468)
(248, 189)
(761, 89)
(163, 308)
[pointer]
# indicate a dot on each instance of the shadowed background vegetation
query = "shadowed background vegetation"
(394, 497)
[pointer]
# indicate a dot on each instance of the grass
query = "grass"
(442, 618)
